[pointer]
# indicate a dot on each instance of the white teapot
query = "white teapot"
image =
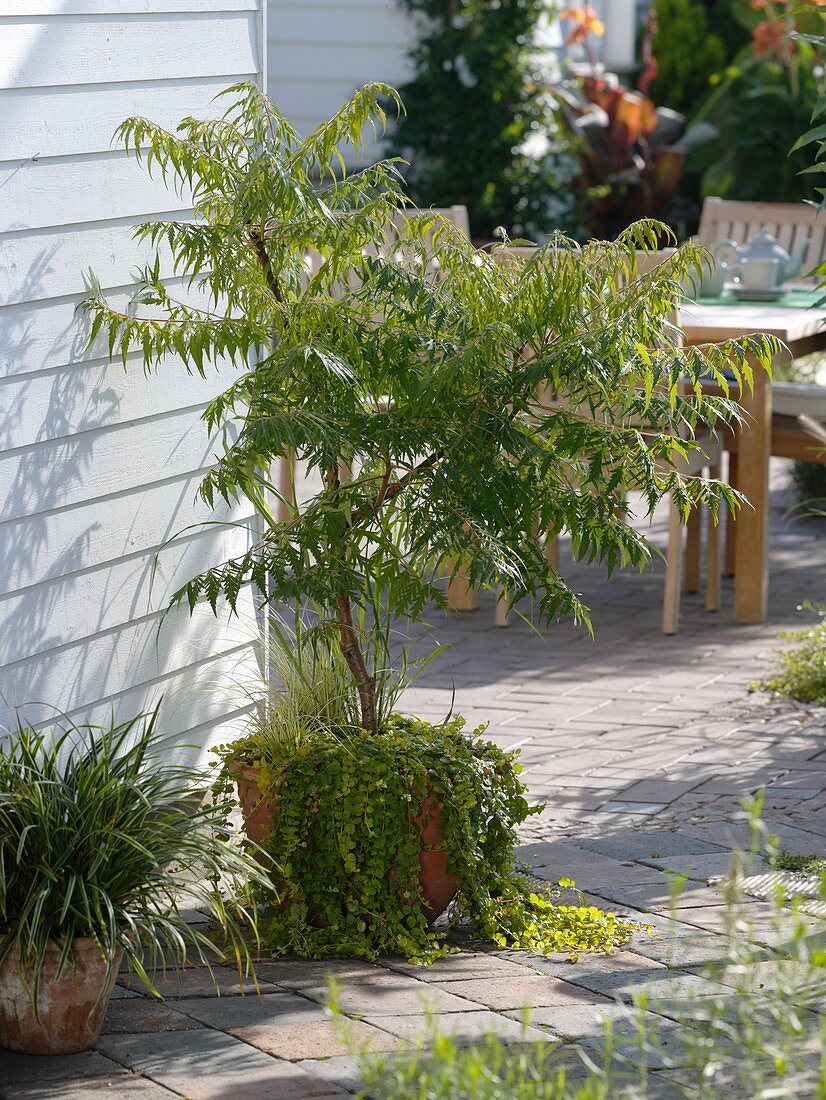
(765, 247)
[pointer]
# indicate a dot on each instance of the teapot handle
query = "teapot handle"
(728, 243)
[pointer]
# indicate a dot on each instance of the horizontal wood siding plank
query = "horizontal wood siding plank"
(69, 608)
(61, 122)
(78, 674)
(39, 336)
(337, 25)
(68, 401)
(49, 263)
(95, 464)
(31, 8)
(57, 51)
(39, 548)
(43, 194)
(194, 715)
(357, 64)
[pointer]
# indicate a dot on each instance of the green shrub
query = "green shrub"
(100, 838)
(802, 671)
(809, 479)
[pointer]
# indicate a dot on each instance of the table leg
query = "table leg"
(751, 574)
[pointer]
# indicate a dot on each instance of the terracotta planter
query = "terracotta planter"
(438, 886)
(71, 1006)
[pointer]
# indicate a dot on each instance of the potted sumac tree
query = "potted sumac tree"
(455, 410)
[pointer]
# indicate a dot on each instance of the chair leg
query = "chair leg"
(694, 528)
(552, 552)
(503, 611)
(461, 595)
(673, 568)
(731, 522)
(286, 487)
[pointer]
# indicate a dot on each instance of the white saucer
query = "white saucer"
(753, 294)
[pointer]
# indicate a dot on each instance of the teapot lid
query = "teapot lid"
(764, 247)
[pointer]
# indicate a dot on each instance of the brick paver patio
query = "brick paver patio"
(641, 746)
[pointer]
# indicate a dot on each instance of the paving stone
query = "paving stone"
(662, 1040)
(464, 1027)
(658, 898)
(645, 808)
(607, 872)
(315, 1039)
(139, 1014)
(196, 982)
(208, 1065)
(706, 867)
(229, 1013)
(466, 964)
(648, 844)
(304, 973)
(128, 1086)
(532, 991)
(393, 995)
(342, 1070)
(24, 1068)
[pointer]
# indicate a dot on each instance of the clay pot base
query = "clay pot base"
(71, 1006)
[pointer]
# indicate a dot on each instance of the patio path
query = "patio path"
(641, 746)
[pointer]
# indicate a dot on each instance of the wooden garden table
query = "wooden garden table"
(802, 328)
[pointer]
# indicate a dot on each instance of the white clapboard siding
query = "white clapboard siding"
(100, 466)
(63, 50)
(100, 667)
(97, 395)
(59, 191)
(56, 122)
(52, 543)
(320, 51)
(102, 598)
(52, 263)
(40, 336)
(118, 7)
(92, 464)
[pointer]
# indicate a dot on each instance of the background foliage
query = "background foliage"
(689, 49)
(763, 99)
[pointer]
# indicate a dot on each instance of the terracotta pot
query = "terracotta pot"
(438, 887)
(71, 1006)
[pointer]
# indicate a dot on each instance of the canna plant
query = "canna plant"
(457, 405)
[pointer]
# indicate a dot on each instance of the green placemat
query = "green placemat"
(794, 298)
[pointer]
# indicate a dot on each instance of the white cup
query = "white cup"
(758, 274)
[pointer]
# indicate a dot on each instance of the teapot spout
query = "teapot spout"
(796, 259)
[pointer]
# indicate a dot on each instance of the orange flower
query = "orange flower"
(586, 21)
(768, 37)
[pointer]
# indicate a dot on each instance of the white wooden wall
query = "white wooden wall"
(320, 51)
(99, 466)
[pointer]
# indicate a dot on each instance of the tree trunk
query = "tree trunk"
(351, 650)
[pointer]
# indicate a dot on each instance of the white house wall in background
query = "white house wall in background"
(320, 51)
(99, 466)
